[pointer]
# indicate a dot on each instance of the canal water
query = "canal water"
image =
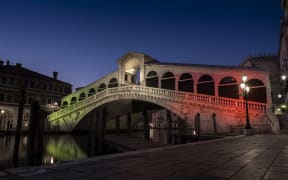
(61, 148)
(56, 149)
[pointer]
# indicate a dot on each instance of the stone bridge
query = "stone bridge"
(212, 92)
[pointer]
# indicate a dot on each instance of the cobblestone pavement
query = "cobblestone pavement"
(254, 157)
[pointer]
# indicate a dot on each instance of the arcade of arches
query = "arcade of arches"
(227, 87)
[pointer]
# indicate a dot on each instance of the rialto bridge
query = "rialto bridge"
(188, 91)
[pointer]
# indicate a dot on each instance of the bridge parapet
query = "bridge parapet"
(143, 92)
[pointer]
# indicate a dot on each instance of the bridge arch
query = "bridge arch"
(186, 83)
(168, 81)
(206, 85)
(101, 87)
(91, 92)
(73, 100)
(152, 79)
(64, 104)
(228, 87)
(82, 96)
(257, 91)
(113, 83)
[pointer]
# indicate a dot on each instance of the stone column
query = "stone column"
(169, 127)
(146, 126)
(101, 130)
(117, 125)
(92, 139)
(197, 124)
(129, 123)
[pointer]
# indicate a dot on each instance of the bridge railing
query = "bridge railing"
(164, 94)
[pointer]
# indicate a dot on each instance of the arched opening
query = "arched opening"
(257, 91)
(6, 120)
(73, 100)
(228, 87)
(64, 104)
(113, 83)
(101, 87)
(81, 97)
(185, 83)
(206, 85)
(91, 92)
(152, 79)
(168, 81)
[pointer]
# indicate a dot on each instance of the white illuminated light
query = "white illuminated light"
(242, 85)
(55, 104)
(2, 111)
(52, 160)
(279, 96)
(278, 109)
(283, 77)
(244, 78)
(247, 89)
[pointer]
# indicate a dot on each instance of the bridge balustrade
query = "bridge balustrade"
(164, 94)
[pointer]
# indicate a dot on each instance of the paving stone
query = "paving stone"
(220, 173)
(2, 173)
(276, 175)
(239, 158)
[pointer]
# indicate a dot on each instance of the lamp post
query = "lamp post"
(2, 111)
(284, 92)
(246, 88)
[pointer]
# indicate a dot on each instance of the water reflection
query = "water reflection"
(64, 148)
(59, 148)
(56, 149)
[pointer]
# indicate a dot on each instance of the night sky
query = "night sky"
(82, 39)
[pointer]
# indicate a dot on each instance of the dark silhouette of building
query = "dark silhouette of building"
(47, 90)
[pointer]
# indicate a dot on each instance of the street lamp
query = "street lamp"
(244, 86)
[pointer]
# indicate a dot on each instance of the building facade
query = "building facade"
(48, 91)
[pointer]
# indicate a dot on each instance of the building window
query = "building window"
(44, 86)
(11, 80)
(50, 87)
(60, 89)
(4, 79)
(43, 101)
(31, 84)
(2, 96)
(26, 83)
(126, 77)
(30, 100)
(9, 98)
(49, 102)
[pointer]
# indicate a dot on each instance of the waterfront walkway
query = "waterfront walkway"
(254, 157)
